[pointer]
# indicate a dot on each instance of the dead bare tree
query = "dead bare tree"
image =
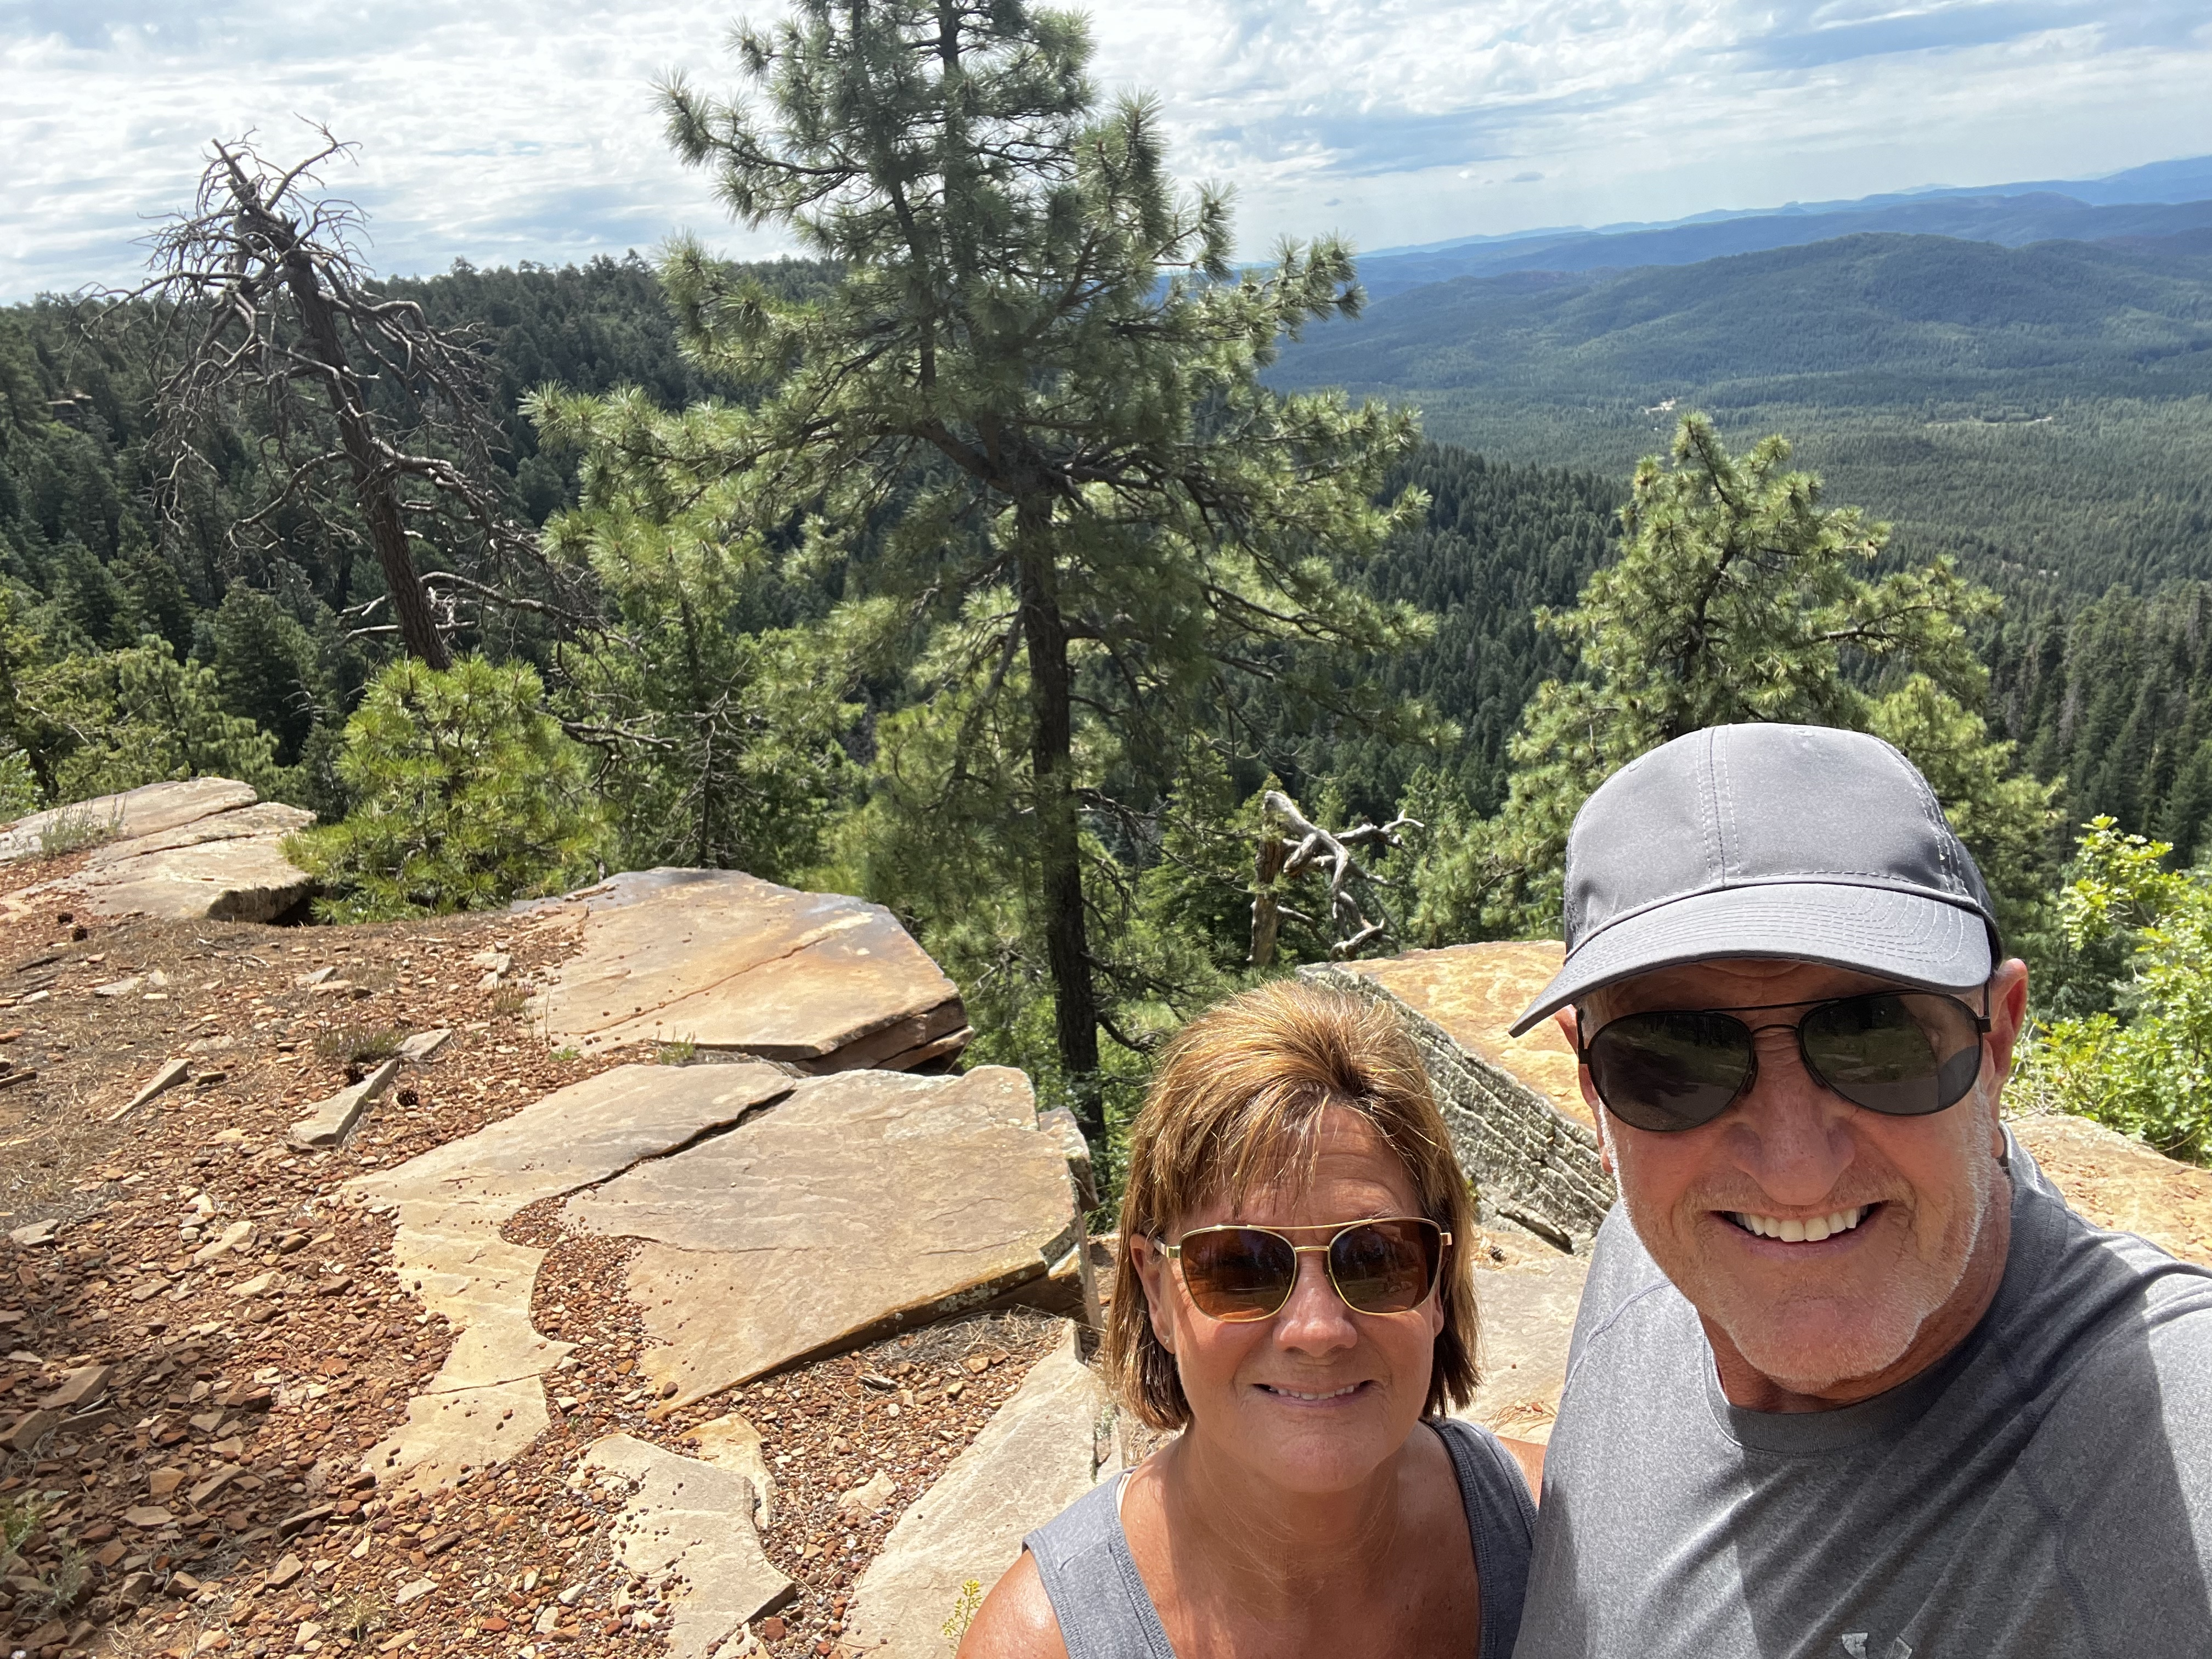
(363, 402)
(1307, 846)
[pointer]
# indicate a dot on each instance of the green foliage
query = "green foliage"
(19, 786)
(122, 719)
(267, 671)
(1059, 466)
(2115, 698)
(720, 739)
(359, 1045)
(1738, 597)
(2145, 1067)
(74, 827)
(467, 794)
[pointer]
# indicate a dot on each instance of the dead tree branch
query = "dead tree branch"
(1283, 857)
(364, 410)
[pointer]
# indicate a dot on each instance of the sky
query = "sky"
(502, 131)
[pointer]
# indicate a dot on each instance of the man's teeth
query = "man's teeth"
(1808, 1230)
(1292, 1393)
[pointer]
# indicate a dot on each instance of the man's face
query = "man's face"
(1844, 1316)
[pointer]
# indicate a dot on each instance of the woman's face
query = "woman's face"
(1315, 1398)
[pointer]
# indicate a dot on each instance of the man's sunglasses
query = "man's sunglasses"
(1904, 1054)
(1244, 1273)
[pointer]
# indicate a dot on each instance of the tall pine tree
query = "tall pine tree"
(1030, 411)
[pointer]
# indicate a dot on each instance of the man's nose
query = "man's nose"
(1790, 1133)
(1315, 1320)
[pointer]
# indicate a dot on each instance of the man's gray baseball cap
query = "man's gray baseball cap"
(1794, 841)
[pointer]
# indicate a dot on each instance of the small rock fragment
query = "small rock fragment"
(232, 1237)
(85, 1384)
(877, 1493)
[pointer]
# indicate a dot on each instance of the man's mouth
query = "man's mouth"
(1281, 1393)
(1802, 1229)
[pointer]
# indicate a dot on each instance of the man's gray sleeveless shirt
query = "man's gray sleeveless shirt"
(2045, 1489)
(1105, 1613)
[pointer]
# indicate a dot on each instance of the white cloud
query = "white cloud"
(505, 132)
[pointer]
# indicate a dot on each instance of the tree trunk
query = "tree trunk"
(380, 506)
(1068, 951)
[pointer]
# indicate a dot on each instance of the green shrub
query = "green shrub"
(19, 786)
(138, 716)
(466, 794)
(2144, 1067)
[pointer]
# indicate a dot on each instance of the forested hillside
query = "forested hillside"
(749, 702)
(2107, 696)
(2040, 412)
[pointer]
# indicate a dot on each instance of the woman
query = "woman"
(1293, 1300)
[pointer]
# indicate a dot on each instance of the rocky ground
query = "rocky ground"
(200, 1351)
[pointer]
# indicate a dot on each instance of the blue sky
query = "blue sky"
(503, 132)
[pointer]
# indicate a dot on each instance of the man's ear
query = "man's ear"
(1571, 1028)
(2007, 1015)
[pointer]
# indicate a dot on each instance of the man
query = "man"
(1849, 1379)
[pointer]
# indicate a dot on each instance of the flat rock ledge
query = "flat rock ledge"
(1040, 1452)
(864, 1203)
(487, 1403)
(206, 849)
(687, 1527)
(722, 960)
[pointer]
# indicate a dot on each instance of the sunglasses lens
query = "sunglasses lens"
(1238, 1273)
(1670, 1070)
(1386, 1266)
(1904, 1054)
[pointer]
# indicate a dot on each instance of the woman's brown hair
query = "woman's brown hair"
(1235, 1108)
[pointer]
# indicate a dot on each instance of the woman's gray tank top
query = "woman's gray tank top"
(1105, 1611)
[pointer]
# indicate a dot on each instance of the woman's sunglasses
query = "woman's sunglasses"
(1904, 1054)
(1244, 1273)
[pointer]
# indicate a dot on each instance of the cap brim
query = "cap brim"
(1903, 937)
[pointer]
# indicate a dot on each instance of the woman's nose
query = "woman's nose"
(1315, 1320)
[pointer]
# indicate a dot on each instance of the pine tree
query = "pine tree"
(466, 794)
(1030, 411)
(1738, 597)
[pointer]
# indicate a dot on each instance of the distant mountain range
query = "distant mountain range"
(2162, 200)
(2043, 411)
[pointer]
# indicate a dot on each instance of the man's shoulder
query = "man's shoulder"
(1624, 1285)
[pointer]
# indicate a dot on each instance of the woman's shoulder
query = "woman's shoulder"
(1015, 1620)
(1487, 1462)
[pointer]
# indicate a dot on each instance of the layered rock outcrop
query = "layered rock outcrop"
(205, 849)
(724, 961)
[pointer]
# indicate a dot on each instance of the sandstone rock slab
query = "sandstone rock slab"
(724, 961)
(204, 850)
(1526, 1318)
(421, 1049)
(333, 1120)
(2123, 1184)
(134, 812)
(171, 1074)
(1038, 1453)
(731, 1443)
(449, 1435)
(487, 1401)
(864, 1203)
(572, 1137)
(1474, 991)
(693, 1521)
(1531, 1162)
